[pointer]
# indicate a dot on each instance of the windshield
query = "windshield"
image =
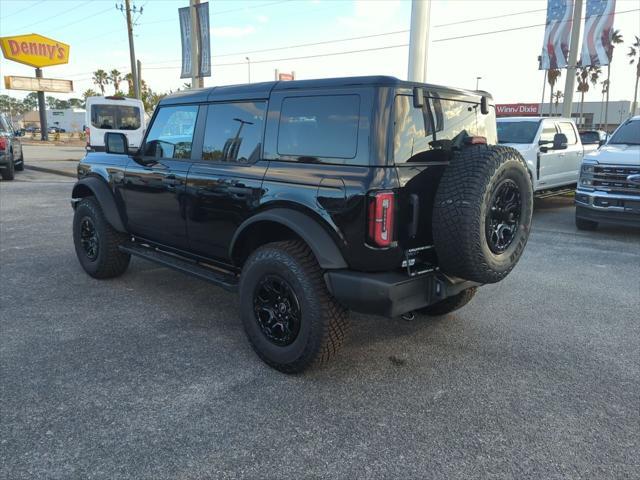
(517, 132)
(115, 117)
(627, 134)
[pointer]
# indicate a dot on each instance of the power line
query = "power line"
(471, 20)
(49, 18)
(224, 11)
(20, 11)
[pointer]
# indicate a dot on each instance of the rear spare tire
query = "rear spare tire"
(482, 213)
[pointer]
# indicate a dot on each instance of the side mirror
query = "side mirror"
(116, 143)
(560, 141)
(484, 105)
(418, 97)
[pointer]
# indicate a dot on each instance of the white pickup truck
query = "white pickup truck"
(550, 146)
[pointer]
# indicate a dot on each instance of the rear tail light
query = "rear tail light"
(381, 216)
(3, 143)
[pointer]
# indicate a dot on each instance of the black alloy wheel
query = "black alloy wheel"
(89, 238)
(277, 310)
(503, 216)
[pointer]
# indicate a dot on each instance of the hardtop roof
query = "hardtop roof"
(263, 89)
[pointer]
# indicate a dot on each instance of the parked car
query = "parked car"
(550, 146)
(113, 114)
(11, 154)
(593, 139)
(609, 187)
(311, 198)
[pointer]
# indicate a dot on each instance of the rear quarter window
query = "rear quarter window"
(319, 127)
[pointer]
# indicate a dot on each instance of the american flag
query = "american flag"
(555, 48)
(598, 27)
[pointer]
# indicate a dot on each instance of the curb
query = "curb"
(51, 170)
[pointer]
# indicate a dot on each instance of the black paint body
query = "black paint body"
(198, 208)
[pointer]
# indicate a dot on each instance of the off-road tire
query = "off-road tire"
(462, 205)
(20, 166)
(323, 321)
(9, 172)
(449, 304)
(110, 261)
(584, 224)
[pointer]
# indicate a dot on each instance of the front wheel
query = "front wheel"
(97, 242)
(290, 318)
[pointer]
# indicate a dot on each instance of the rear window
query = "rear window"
(115, 117)
(426, 134)
(319, 126)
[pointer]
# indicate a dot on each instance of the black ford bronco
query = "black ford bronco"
(311, 198)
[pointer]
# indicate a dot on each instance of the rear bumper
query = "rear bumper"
(608, 208)
(390, 293)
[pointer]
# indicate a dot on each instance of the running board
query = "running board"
(228, 281)
(553, 193)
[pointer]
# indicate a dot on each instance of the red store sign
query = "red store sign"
(518, 109)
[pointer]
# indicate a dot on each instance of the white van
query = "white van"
(114, 114)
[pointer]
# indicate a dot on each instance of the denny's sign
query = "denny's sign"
(34, 50)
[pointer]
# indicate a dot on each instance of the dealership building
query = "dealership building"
(593, 113)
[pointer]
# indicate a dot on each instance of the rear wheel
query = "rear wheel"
(97, 242)
(8, 172)
(482, 213)
(290, 318)
(584, 224)
(449, 304)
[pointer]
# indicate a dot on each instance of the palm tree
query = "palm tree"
(101, 78)
(552, 77)
(634, 51)
(115, 77)
(605, 90)
(586, 75)
(616, 39)
(557, 97)
(129, 79)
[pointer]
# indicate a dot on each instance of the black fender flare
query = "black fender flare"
(322, 245)
(105, 198)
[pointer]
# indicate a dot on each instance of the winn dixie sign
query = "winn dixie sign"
(34, 50)
(518, 110)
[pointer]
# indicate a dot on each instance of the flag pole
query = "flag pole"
(570, 81)
(544, 87)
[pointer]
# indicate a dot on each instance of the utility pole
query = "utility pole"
(42, 109)
(570, 81)
(478, 82)
(195, 51)
(249, 68)
(419, 40)
(139, 70)
(132, 53)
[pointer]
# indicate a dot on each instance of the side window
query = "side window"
(171, 133)
(451, 117)
(567, 129)
(548, 131)
(319, 126)
(233, 132)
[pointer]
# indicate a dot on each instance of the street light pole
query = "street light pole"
(248, 67)
(478, 82)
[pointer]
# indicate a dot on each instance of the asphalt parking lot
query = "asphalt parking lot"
(150, 376)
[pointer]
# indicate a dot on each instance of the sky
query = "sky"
(260, 29)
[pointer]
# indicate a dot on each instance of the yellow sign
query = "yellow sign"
(34, 50)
